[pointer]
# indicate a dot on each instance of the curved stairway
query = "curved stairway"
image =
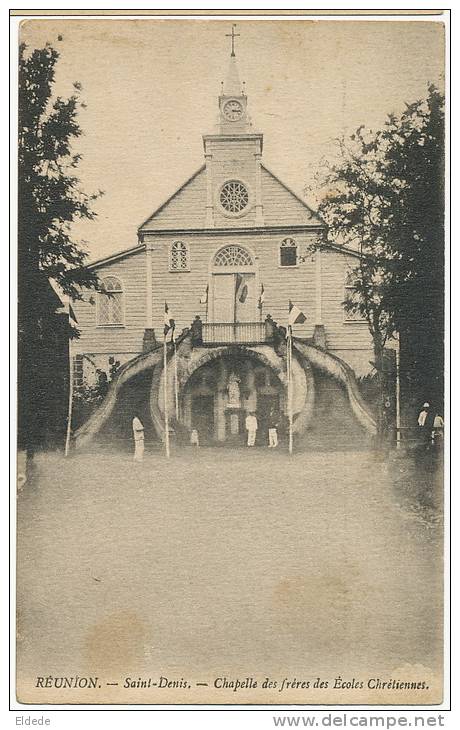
(129, 370)
(309, 356)
(343, 373)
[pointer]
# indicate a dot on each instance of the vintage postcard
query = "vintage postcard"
(231, 361)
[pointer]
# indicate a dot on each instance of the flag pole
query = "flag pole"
(261, 302)
(398, 394)
(176, 389)
(70, 405)
(234, 306)
(289, 362)
(165, 395)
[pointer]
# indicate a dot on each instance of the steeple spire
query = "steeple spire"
(232, 100)
(232, 86)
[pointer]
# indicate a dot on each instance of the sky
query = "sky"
(151, 88)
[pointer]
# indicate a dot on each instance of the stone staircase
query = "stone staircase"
(333, 366)
(335, 415)
(334, 426)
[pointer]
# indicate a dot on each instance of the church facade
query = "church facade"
(226, 254)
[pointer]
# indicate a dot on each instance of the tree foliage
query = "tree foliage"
(50, 201)
(384, 197)
(50, 196)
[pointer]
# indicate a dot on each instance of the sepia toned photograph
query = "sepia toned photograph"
(230, 426)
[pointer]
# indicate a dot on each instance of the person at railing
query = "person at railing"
(251, 427)
(197, 331)
(279, 336)
(269, 328)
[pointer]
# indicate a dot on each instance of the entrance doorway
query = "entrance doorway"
(234, 297)
(266, 403)
(221, 392)
(203, 417)
(234, 427)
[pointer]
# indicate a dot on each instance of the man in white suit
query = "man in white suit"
(251, 428)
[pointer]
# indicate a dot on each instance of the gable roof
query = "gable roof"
(278, 199)
(186, 208)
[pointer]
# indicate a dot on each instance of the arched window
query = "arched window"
(178, 258)
(110, 304)
(351, 296)
(288, 252)
(233, 256)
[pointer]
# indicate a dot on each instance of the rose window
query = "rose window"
(234, 197)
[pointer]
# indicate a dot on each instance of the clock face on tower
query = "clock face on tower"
(233, 110)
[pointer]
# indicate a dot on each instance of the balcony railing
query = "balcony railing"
(237, 333)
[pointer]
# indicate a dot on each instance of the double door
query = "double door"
(234, 298)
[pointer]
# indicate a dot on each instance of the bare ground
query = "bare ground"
(245, 561)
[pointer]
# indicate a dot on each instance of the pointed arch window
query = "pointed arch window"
(179, 257)
(110, 302)
(288, 252)
(233, 256)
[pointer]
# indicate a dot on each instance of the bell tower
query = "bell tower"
(233, 158)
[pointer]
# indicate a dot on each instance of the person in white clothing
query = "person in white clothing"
(138, 434)
(425, 424)
(438, 430)
(251, 428)
(422, 415)
(272, 430)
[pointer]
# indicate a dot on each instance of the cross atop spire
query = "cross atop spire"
(233, 35)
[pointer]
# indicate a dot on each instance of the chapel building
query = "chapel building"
(226, 254)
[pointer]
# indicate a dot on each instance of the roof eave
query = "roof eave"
(117, 256)
(239, 230)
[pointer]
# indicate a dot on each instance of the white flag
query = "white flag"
(296, 316)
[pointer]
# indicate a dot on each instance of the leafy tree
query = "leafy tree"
(50, 199)
(415, 162)
(384, 197)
